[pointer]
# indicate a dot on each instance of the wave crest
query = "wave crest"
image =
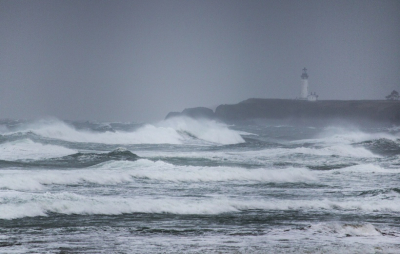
(26, 149)
(19, 204)
(172, 131)
(123, 171)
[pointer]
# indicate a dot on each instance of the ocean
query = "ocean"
(198, 186)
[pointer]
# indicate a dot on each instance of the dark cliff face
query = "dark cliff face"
(278, 109)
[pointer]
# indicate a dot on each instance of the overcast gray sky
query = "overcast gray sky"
(138, 60)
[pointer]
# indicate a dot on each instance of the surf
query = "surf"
(171, 131)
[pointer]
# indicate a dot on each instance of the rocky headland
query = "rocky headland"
(300, 111)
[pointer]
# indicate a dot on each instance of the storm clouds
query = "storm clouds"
(138, 60)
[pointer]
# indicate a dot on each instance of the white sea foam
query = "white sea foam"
(17, 205)
(171, 131)
(207, 130)
(271, 155)
(27, 149)
(167, 172)
(338, 150)
(330, 205)
(332, 237)
(38, 179)
(352, 135)
(368, 168)
(115, 172)
(355, 229)
(29, 205)
(146, 134)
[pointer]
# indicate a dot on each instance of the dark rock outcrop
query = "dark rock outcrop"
(198, 112)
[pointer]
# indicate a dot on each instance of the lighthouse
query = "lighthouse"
(304, 85)
(304, 95)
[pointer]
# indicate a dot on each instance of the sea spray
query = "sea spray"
(208, 130)
(171, 131)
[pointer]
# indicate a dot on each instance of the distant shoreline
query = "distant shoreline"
(301, 111)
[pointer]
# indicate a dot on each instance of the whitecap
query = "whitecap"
(171, 131)
(27, 149)
(116, 172)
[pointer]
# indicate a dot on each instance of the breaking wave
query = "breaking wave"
(115, 172)
(163, 171)
(16, 204)
(26, 149)
(383, 146)
(31, 154)
(368, 168)
(171, 131)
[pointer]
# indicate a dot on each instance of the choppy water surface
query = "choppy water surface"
(198, 187)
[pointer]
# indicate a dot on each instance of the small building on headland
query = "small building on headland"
(304, 94)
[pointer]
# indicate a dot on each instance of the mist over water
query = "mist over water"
(139, 60)
(186, 185)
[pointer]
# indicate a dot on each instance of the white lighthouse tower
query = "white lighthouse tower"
(304, 85)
